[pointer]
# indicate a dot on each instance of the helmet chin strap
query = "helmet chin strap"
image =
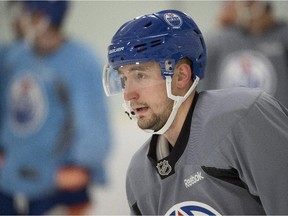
(178, 100)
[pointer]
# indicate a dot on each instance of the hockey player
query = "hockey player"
(215, 152)
(55, 132)
(259, 57)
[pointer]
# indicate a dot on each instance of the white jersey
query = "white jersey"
(230, 158)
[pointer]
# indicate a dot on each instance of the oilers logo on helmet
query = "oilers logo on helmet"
(191, 208)
(173, 20)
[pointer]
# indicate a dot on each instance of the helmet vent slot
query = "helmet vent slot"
(197, 31)
(155, 43)
(148, 25)
(142, 50)
(141, 47)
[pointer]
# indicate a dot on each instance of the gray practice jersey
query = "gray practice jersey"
(230, 158)
(237, 58)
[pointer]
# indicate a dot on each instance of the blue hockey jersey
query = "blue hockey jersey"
(55, 114)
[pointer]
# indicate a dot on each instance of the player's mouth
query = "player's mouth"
(140, 110)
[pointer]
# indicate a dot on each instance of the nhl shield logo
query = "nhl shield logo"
(164, 168)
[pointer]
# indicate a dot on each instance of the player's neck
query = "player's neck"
(48, 43)
(173, 132)
(262, 24)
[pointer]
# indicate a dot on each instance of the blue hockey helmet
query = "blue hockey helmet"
(165, 35)
(55, 10)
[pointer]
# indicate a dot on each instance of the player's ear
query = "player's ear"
(183, 75)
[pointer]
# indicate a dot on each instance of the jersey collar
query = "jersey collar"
(166, 166)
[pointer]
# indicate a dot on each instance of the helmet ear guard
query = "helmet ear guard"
(167, 67)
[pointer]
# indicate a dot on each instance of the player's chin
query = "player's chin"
(143, 123)
(148, 125)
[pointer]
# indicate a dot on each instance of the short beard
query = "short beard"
(157, 121)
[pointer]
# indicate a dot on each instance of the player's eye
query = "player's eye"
(140, 76)
(137, 77)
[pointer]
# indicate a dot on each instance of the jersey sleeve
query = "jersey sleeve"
(260, 144)
(3, 50)
(93, 137)
(134, 210)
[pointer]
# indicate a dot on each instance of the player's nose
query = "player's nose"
(130, 91)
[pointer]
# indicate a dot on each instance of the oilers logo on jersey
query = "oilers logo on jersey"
(27, 105)
(191, 208)
(249, 69)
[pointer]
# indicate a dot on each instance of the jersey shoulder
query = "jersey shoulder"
(137, 162)
(217, 112)
(225, 102)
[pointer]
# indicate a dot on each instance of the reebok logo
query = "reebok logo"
(193, 179)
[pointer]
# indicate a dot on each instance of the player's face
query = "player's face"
(33, 26)
(145, 89)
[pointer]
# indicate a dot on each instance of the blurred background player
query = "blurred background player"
(250, 49)
(55, 134)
